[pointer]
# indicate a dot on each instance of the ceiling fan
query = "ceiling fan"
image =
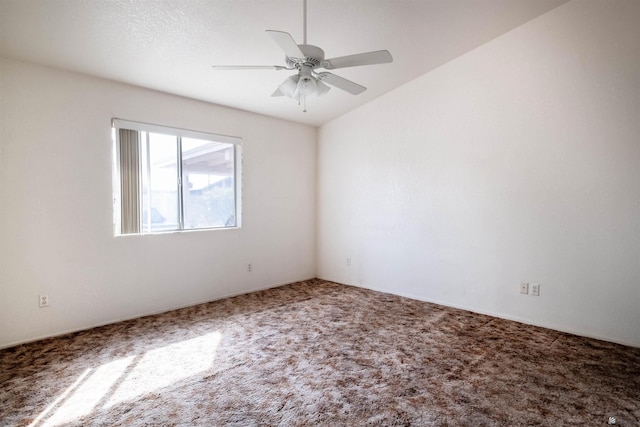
(306, 59)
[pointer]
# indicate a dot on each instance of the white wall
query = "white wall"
(519, 161)
(56, 207)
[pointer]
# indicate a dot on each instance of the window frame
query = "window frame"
(179, 133)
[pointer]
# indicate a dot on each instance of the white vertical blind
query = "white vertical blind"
(130, 185)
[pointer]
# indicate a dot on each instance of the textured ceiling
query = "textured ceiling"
(170, 45)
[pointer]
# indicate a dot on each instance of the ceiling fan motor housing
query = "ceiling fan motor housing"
(313, 57)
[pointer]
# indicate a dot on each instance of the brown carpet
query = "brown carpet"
(318, 353)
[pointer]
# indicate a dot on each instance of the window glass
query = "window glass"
(160, 183)
(209, 191)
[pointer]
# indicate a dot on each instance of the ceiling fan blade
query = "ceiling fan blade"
(286, 43)
(341, 83)
(249, 67)
(368, 58)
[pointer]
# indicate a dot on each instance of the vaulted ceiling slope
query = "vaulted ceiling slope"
(170, 45)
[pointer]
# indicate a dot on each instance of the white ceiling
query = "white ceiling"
(170, 45)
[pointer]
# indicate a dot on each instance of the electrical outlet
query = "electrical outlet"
(348, 260)
(535, 289)
(249, 268)
(524, 288)
(44, 300)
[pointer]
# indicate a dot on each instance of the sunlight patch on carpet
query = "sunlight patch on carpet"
(89, 392)
(60, 398)
(127, 378)
(167, 365)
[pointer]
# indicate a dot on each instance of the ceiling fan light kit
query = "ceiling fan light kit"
(306, 58)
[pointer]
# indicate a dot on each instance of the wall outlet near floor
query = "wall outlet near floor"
(249, 267)
(535, 289)
(524, 288)
(348, 260)
(44, 300)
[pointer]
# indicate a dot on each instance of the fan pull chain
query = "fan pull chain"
(302, 102)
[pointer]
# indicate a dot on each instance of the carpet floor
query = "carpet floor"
(319, 353)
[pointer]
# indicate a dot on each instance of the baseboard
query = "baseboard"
(551, 326)
(554, 327)
(124, 319)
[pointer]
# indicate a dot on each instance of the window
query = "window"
(168, 179)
